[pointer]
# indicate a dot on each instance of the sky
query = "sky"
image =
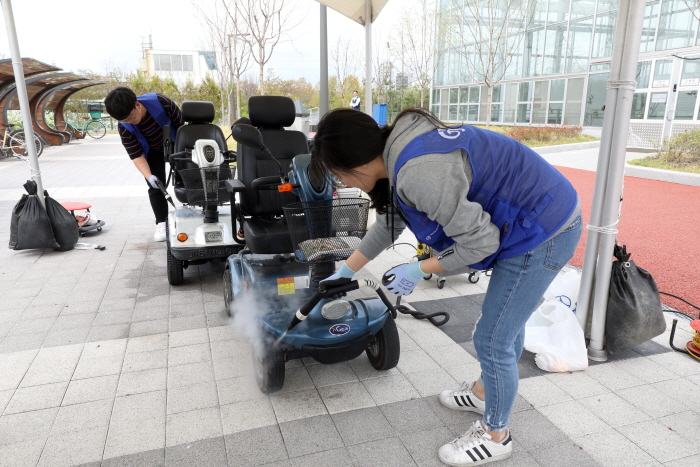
(102, 34)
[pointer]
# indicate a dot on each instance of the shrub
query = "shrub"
(542, 134)
(682, 149)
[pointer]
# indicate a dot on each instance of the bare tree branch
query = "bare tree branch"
(694, 7)
(345, 61)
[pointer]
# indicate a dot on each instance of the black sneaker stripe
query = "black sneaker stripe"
(508, 440)
(486, 451)
(457, 401)
(472, 456)
(470, 401)
(466, 404)
(476, 450)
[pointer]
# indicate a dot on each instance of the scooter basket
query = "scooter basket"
(203, 186)
(326, 230)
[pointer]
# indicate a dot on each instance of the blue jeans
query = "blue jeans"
(515, 289)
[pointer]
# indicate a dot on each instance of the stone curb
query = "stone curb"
(566, 147)
(672, 176)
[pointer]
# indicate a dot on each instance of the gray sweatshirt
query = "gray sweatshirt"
(436, 184)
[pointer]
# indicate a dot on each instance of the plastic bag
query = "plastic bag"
(65, 227)
(634, 307)
(14, 220)
(564, 288)
(554, 334)
(33, 224)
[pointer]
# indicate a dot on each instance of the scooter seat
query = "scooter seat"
(267, 236)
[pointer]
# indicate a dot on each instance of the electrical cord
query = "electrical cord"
(419, 315)
(683, 300)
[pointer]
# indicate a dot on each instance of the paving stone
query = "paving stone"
(423, 445)
(242, 448)
(388, 452)
(662, 405)
(573, 418)
(563, 453)
(105, 318)
(325, 375)
(74, 448)
(147, 343)
(532, 429)
(431, 382)
(363, 425)
(145, 361)
(36, 397)
(66, 337)
(409, 416)
(541, 391)
(191, 426)
(195, 396)
(98, 366)
(192, 373)
(345, 397)
(310, 435)
(189, 354)
(82, 320)
(26, 426)
(204, 453)
(131, 438)
(299, 404)
(188, 337)
(613, 410)
(112, 331)
(390, 389)
(14, 366)
(146, 328)
(91, 389)
(142, 381)
(247, 415)
(613, 449)
(32, 326)
(136, 407)
(22, 342)
(77, 417)
(23, 454)
(242, 388)
(188, 322)
(656, 439)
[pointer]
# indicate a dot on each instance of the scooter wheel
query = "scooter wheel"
(175, 269)
(228, 294)
(428, 277)
(269, 369)
(384, 352)
(441, 284)
(473, 278)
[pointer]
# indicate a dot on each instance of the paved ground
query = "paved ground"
(103, 363)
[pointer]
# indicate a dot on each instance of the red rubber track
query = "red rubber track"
(660, 225)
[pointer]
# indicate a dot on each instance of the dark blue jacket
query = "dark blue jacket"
(154, 107)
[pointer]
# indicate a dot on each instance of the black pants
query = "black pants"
(156, 162)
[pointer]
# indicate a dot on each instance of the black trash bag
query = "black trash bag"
(65, 227)
(33, 224)
(14, 220)
(634, 305)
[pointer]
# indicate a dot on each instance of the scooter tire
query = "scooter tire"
(176, 274)
(269, 370)
(385, 350)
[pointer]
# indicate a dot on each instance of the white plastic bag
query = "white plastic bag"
(564, 288)
(555, 336)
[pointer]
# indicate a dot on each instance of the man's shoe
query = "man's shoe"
(159, 235)
(475, 447)
(462, 399)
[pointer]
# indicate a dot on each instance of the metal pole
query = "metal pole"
(323, 102)
(672, 97)
(23, 99)
(590, 259)
(632, 13)
(368, 57)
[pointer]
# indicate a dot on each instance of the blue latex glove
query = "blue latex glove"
(344, 272)
(402, 279)
(152, 180)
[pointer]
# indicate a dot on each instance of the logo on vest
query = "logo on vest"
(450, 133)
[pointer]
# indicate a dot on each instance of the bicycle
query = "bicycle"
(14, 144)
(93, 127)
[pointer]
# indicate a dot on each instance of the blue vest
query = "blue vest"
(527, 198)
(154, 107)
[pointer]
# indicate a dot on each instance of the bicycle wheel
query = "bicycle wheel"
(96, 129)
(63, 126)
(18, 145)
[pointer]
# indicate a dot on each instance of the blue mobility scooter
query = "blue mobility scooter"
(201, 229)
(294, 233)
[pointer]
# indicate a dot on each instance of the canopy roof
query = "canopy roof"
(39, 84)
(354, 9)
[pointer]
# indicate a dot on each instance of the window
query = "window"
(515, 46)
(558, 11)
(643, 72)
(454, 96)
(524, 97)
(606, 5)
(187, 63)
(600, 67)
(496, 103)
(510, 105)
(555, 46)
(582, 8)
(657, 106)
(691, 73)
(453, 113)
(574, 99)
(604, 35)
(534, 53)
(578, 48)
(176, 62)
(676, 26)
(595, 99)
(524, 113)
(539, 106)
(639, 102)
(651, 20)
(556, 102)
(662, 74)
(525, 93)
(685, 106)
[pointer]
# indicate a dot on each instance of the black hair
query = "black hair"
(120, 102)
(356, 91)
(347, 139)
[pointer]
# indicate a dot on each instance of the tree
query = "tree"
(694, 7)
(345, 61)
(417, 39)
(268, 22)
(488, 34)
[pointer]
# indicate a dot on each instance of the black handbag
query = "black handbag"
(634, 306)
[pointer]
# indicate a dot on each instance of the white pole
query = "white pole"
(368, 57)
(22, 95)
(323, 105)
(631, 15)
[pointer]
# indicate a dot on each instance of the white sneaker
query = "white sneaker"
(159, 235)
(475, 447)
(462, 399)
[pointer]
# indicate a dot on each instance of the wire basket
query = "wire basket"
(326, 230)
(205, 186)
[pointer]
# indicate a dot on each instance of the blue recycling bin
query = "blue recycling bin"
(379, 113)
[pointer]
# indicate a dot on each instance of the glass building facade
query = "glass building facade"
(559, 70)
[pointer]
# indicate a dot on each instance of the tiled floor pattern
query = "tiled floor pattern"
(103, 363)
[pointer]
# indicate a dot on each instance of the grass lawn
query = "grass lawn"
(551, 137)
(654, 163)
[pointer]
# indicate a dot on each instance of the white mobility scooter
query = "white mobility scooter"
(202, 229)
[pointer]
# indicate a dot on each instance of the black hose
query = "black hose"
(681, 299)
(419, 315)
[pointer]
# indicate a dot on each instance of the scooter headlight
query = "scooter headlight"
(335, 309)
